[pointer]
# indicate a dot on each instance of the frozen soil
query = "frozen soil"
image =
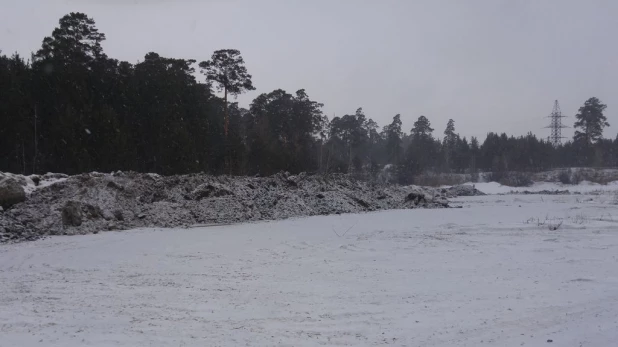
(94, 202)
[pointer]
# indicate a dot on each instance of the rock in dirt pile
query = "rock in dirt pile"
(94, 202)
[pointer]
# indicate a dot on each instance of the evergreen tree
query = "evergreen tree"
(449, 142)
(449, 133)
(75, 40)
(282, 130)
(393, 134)
(590, 122)
(422, 151)
(227, 69)
(17, 116)
(68, 94)
(474, 152)
(351, 132)
(422, 129)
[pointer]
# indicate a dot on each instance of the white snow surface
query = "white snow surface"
(489, 274)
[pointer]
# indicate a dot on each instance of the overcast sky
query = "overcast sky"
(491, 65)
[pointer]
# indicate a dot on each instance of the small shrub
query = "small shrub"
(565, 177)
(576, 178)
(552, 224)
(580, 218)
(438, 179)
(516, 179)
(496, 176)
(522, 179)
(555, 225)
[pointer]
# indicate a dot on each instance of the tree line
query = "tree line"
(70, 108)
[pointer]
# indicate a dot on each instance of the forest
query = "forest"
(70, 108)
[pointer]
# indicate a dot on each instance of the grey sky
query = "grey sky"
(491, 65)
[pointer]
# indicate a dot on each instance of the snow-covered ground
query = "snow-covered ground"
(489, 274)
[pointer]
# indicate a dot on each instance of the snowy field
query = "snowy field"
(489, 274)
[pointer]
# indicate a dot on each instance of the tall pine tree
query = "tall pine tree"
(590, 122)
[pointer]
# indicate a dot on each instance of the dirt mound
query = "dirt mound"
(11, 192)
(94, 202)
(463, 190)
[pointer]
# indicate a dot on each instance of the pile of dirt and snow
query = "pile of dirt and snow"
(94, 202)
(463, 190)
(31, 183)
(11, 192)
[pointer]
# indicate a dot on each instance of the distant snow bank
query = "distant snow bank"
(582, 187)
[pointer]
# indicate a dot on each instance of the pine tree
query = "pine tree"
(449, 133)
(76, 39)
(227, 68)
(422, 151)
(474, 152)
(17, 116)
(281, 132)
(590, 121)
(449, 142)
(393, 135)
(422, 129)
(352, 133)
(68, 91)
